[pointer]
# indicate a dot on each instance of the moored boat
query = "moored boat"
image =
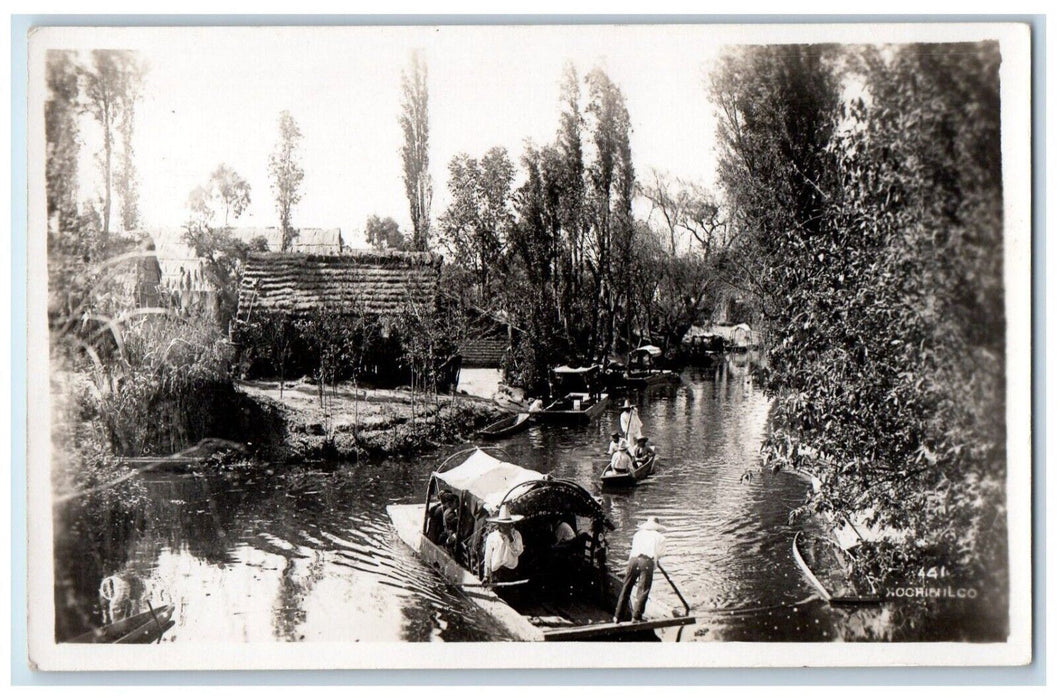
(580, 397)
(560, 589)
(642, 370)
(616, 479)
(508, 425)
(143, 628)
(574, 408)
(823, 564)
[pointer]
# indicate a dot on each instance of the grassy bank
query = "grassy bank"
(359, 423)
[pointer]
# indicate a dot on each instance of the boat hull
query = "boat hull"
(825, 574)
(570, 416)
(628, 479)
(510, 425)
(143, 628)
(652, 379)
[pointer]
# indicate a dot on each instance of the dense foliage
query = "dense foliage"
(869, 183)
(554, 249)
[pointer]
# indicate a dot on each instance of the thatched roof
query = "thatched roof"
(483, 352)
(367, 281)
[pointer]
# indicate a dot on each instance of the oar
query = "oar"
(675, 588)
(155, 616)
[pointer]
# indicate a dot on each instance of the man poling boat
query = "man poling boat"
(630, 423)
(647, 546)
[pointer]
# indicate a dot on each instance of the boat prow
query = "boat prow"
(820, 563)
(407, 519)
(144, 628)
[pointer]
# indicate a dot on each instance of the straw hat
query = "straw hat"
(505, 516)
(615, 434)
(650, 524)
(642, 438)
(627, 404)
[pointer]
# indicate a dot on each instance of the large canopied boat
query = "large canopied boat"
(561, 588)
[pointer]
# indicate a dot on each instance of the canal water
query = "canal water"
(312, 557)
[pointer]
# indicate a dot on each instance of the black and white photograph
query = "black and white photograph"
(347, 342)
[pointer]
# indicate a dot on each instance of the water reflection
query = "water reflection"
(312, 556)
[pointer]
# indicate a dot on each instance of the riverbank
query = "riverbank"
(359, 423)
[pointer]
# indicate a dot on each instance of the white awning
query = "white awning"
(487, 478)
(566, 369)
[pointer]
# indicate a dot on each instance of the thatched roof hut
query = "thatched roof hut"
(380, 283)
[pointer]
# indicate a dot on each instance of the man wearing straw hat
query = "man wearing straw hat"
(503, 547)
(647, 546)
(630, 425)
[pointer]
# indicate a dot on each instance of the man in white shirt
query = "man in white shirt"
(630, 424)
(503, 547)
(646, 549)
(614, 443)
(622, 461)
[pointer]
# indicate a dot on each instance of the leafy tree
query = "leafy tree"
(611, 188)
(127, 184)
(414, 121)
(61, 132)
(384, 234)
(111, 88)
(474, 226)
(224, 254)
(230, 190)
(287, 174)
(877, 224)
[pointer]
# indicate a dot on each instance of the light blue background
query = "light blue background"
(22, 675)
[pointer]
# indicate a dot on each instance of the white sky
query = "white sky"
(214, 96)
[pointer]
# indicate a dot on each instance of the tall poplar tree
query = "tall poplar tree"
(414, 121)
(287, 174)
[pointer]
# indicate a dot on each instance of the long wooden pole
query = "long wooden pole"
(674, 588)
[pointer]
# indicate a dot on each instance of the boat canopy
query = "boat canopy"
(651, 350)
(566, 369)
(487, 478)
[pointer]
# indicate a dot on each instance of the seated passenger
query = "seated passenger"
(643, 451)
(503, 547)
(443, 518)
(622, 461)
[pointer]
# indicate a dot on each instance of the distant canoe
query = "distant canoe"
(507, 426)
(144, 628)
(614, 479)
(651, 378)
(822, 562)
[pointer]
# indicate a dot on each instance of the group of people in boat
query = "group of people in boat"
(493, 546)
(628, 447)
(506, 551)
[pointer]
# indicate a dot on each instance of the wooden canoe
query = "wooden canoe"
(651, 378)
(143, 628)
(535, 620)
(508, 425)
(614, 479)
(822, 562)
(565, 409)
